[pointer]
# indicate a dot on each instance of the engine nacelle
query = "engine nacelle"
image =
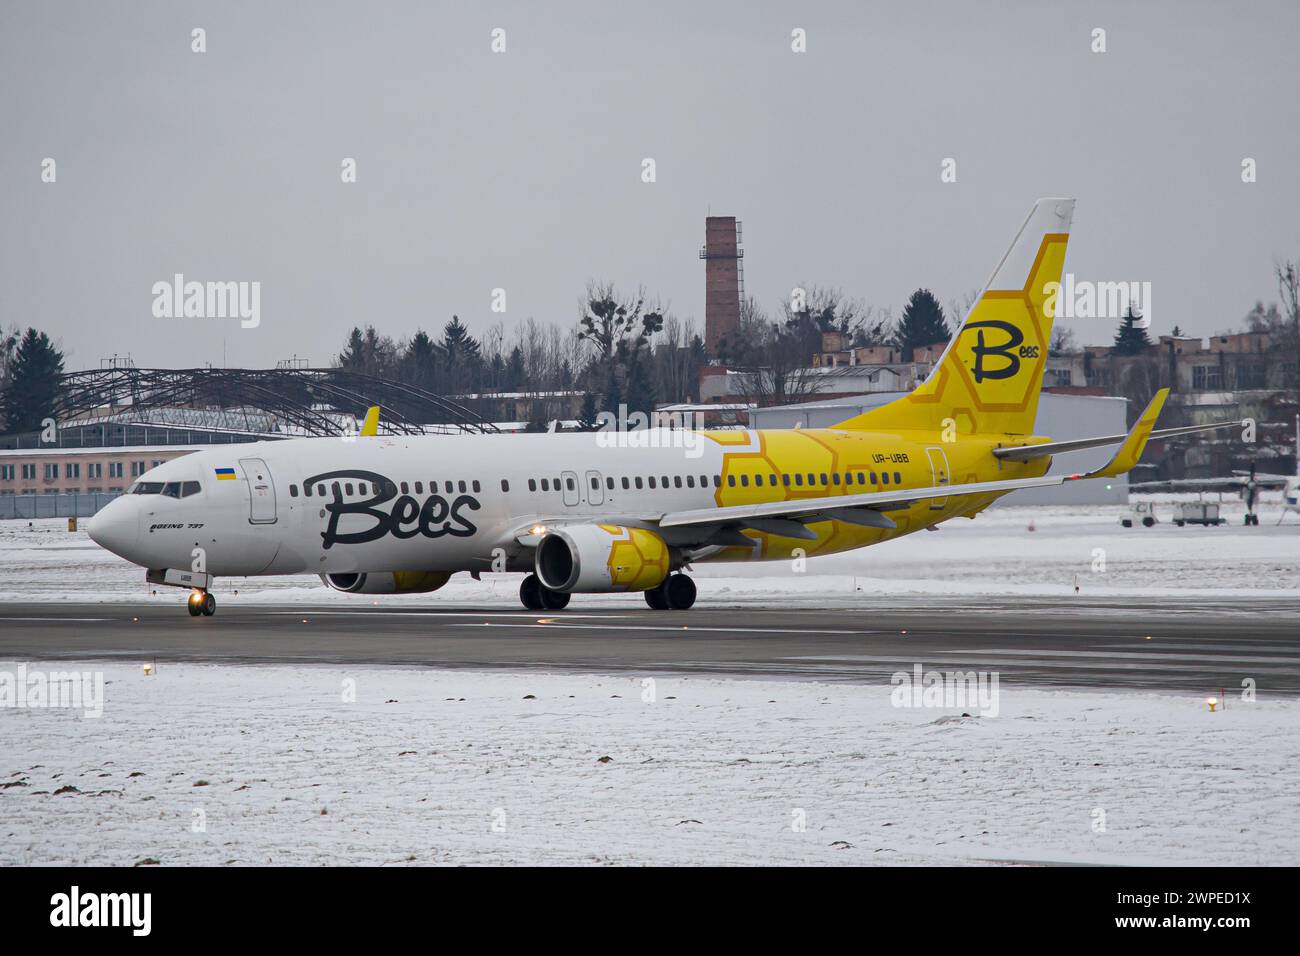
(387, 582)
(594, 558)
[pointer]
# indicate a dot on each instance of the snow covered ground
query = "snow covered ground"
(995, 554)
(431, 766)
(252, 765)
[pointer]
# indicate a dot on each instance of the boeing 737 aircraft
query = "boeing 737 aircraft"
(592, 512)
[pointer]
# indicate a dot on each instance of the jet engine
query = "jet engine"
(595, 558)
(387, 582)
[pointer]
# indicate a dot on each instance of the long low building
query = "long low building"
(1062, 417)
(69, 471)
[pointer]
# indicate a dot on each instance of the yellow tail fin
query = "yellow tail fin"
(370, 427)
(988, 379)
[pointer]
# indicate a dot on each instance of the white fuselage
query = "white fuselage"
(330, 505)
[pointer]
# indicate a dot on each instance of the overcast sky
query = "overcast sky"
(522, 170)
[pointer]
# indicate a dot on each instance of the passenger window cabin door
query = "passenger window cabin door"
(569, 483)
(595, 488)
(261, 491)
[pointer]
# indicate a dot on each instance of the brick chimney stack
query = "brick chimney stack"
(724, 278)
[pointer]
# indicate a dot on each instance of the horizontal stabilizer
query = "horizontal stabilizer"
(1032, 452)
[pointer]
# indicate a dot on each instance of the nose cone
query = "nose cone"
(116, 527)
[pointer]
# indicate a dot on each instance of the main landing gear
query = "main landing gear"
(676, 593)
(202, 602)
(536, 596)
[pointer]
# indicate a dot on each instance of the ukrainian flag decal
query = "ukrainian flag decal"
(225, 474)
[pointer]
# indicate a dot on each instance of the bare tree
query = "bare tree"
(874, 327)
(1288, 285)
(959, 307)
(773, 370)
(1137, 378)
(607, 320)
(679, 355)
(1063, 341)
(820, 310)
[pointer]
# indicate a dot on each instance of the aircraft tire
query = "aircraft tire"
(208, 606)
(656, 598)
(530, 593)
(553, 600)
(679, 590)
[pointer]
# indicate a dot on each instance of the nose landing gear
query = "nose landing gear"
(202, 602)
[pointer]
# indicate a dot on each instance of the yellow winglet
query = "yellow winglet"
(1136, 443)
(370, 427)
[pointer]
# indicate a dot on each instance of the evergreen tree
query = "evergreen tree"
(462, 354)
(33, 386)
(1176, 332)
(353, 357)
(497, 372)
(459, 345)
(639, 390)
(515, 373)
(369, 353)
(420, 361)
(589, 415)
(922, 323)
(1130, 339)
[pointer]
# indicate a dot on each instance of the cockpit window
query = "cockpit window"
(172, 489)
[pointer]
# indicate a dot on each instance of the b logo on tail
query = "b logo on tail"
(1007, 350)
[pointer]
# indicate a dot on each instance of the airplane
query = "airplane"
(1249, 483)
(585, 513)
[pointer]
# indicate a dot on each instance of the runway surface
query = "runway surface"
(1151, 643)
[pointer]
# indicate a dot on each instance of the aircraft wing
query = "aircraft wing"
(1265, 480)
(1209, 484)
